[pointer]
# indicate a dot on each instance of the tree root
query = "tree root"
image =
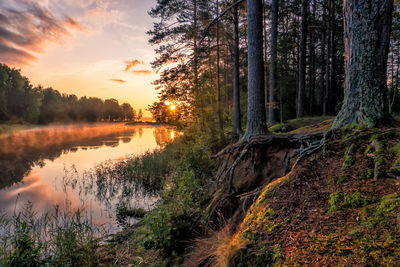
(309, 143)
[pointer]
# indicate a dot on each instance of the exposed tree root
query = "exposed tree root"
(273, 154)
(303, 145)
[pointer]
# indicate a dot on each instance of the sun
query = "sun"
(172, 107)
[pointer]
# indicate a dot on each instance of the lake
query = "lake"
(57, 165)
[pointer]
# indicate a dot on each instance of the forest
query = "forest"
(202, 49)
(285, 149)
(22, 102)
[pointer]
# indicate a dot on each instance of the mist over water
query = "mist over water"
(69, 167)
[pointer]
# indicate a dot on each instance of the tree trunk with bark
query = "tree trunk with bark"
(312, 61)
(302, 63)
(237, 124)
(367, 35)
(256, 118)
(273, 104)
(195, 49)
(219, 110)
(332, 94)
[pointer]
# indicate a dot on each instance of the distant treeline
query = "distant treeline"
(21, 101)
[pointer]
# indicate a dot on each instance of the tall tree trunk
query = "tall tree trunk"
(273, 104)
(367, 25)
(323, 74)
(332, 71)
(312, 61)
(195, 50)
(237, 124)
(256, 119)
(266, 81)
(328, 63)
(219, 110)
(302, 63)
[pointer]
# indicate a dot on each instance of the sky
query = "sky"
(83, 47)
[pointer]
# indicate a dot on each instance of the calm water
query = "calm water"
(52, 166)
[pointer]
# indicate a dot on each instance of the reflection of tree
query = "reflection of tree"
(140, 132)
(16, 164)
(126, 140)
(162, 136)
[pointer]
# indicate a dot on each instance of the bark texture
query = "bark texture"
(237, 124)
(367, 35)
(219, 110)
(302, 64)
(273, 104)
(256, 117)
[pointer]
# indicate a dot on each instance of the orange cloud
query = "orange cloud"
(118, 80)
(133, 63)
(145, 72)
(25, 30)
(13, 55)
(74, 24)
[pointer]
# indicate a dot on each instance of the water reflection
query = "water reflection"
(163, 136)
(56, 166)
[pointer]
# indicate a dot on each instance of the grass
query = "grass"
(57, 239)
(183, 170)
(219, 249)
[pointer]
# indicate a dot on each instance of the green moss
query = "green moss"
(355, 200)
(348, 161)
(380, 161)
(256, 254)
(394, 133)
(395, 170)
(368, 150)
(384, 213)
(370, 174)
(281, 128)
(342, 179)
(340, 201)
(334, 201)
(359, 127)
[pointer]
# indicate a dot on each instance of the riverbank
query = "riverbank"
(334, 208)
(334, 202)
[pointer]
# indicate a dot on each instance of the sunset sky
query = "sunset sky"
(83, 47)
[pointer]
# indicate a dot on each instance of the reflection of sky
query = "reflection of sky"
(44, 187)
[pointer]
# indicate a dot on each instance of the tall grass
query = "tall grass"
(61, 238)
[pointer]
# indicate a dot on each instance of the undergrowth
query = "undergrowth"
(56, 239)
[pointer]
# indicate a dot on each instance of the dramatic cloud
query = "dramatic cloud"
(14, 56)
(26, 26)
(145, 72)
(133, 63)
(118, 80)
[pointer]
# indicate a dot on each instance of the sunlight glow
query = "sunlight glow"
(172, 107)
(172, 135)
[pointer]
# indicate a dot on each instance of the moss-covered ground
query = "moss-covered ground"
(330, 211)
